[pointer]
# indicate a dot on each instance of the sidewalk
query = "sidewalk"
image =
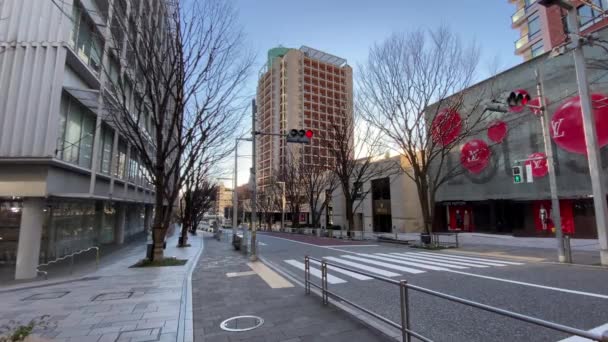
(114, 303)
(289, 314)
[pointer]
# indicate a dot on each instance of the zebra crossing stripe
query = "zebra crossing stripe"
(451, 262)
(449, 259)
(315, 272)
(424, 261)
(404, 262)
(475, 259)
(384, 264)
(364, 267)
(339, 270)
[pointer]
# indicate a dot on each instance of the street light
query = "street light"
(282, 206)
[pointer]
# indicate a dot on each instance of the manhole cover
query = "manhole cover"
(242, 323)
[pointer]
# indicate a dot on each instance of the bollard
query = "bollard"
(72, 264)
(405, 314)
(97, 258)
(307, 275)
(568, 249)
(324, 281)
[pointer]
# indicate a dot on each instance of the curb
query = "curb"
(185, 328)
(384, 329)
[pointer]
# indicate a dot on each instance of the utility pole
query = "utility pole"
(254, 196)
(282, 205)
(593, 151)
(235, 200)
(555, 210)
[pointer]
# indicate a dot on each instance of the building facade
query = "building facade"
(543, 28)
(388, 203)
(68, 179)
(485, 198)
(300, 89)
(222, 206)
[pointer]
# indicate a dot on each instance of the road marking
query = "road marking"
(339, 246)
(239, 274)
(497, 255)
(589, 294)
(597, 330)
(261, 244)
(310, 244)
(315, 272)
(363, 267)
(424, 261)
(451, 262)
(403, 262)
(450, 258)
(384, 264)
(473, 259)
(273, 279)
(339, 270)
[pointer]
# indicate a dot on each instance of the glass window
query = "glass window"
(585, 16)
(76, 132)
(537, 48)
(105, 153)
(84, 38)
(533, 26)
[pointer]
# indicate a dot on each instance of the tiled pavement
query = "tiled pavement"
(288, 313)
(115, 303)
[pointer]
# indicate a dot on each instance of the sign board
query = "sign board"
(529, 175)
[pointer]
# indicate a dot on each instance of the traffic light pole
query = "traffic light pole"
(254, 197)
(593, 151)
(555, 210)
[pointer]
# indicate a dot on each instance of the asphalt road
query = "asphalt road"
(572, 295)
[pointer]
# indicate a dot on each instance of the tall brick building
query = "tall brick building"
(303, 89)
(543, 28)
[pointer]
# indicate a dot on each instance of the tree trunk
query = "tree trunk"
(184, 236)
(350, 217)
(159, 230)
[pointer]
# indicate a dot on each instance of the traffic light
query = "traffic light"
(517, 175)
(517, 100)
(299, 136)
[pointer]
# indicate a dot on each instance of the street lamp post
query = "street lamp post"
(282, 205)
(235, 201)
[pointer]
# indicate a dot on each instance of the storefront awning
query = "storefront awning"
(87, 97)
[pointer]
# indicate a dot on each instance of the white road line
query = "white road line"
(450, 262)
(310, 244)
(392, 259)
(597, 330)
(363, 267)
(339, 270)
(449, 258)
(582, 293)
(424, 261)
(383, 264)
(476, 259)
(315, 272)
(261, 244)
(340, 246)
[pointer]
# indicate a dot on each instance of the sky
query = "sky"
(348, 28)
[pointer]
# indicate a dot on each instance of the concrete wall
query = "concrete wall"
(524, 136)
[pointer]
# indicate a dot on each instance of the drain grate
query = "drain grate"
(242, 323)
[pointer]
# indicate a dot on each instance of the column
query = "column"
(148, 218)
(121, 215)
(30, 234)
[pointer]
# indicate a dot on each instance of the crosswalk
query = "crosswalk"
(395, 264)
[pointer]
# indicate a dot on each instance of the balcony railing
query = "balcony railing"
(521, 42)
(520, 14)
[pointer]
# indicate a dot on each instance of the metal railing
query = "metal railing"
(521, 42)
(71, 257)
(405, 326)
(518, 15)
(436, 239)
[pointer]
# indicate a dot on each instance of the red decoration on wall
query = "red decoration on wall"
(567, 124)
(497, 131)
(539, 166)
(475, 155)
(446, 126)
(517, 109)
(535, 102)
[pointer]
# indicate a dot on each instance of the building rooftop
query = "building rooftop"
(323, 56)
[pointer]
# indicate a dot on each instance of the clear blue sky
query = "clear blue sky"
(347, 28)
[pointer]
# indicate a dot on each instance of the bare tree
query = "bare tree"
(198, 197)
(403, 77)
(290, 172)
(355, 149)
(318, 181)
(174, 78)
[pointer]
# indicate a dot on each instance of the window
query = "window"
(84, 38)
(121, 160)
(537, 48)
(533, 26)
(588, 16)
(358, 190)
(105, 153)
(76, 132)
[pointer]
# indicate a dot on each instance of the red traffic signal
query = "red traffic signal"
(299, 136)
(309, 134)
(517, 100)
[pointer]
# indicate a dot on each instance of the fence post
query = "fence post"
(568, 248)
(405, 314)
(324, 281)
(306, 275)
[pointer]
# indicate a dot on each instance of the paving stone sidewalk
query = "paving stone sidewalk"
(289, 315)
(116, 303)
